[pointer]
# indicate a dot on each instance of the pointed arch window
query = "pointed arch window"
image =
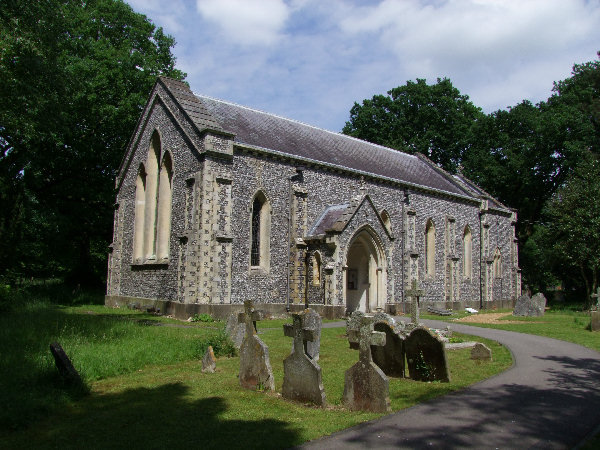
(152, 223)
(497, 264)
(260, 231)
(467, 253)
(430, 248)
(316, 266)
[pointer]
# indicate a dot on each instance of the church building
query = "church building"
(218, 203)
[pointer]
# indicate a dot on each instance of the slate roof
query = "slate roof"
(270, 132)
(330, 216)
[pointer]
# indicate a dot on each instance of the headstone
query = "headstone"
(353, 324)
(65, 368)
(302, 379)
(595, 323)
(366, 387)
(255, 367)
(312, 320)
(389, 357)
(596, 296)
(426, 356)
(235, 330)
(530, 307)
(481, 352)
(209, 362)
(415, 293)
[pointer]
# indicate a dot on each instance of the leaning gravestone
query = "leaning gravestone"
(302, 379)
(481, 352)
(530, 307)
(366, 387)
(312, 320)
(390, 357)
(209, 362)
(65, 368)
(426, 356)
(235, 330)
(255, 367)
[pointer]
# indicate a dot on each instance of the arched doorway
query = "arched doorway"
(365, 286)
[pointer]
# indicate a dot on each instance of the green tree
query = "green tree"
(573, 227)
(76, 75)
(434, 120)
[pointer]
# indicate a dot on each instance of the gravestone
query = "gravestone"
(302, 379)
(481, 352)
(255, 367)
(366, 387)
(235, 330)
(389, 357)
(596, 297)
(65, 368)
(209, 362)
(312, 320)
(415, 293)
(530, 307)
(426, 356)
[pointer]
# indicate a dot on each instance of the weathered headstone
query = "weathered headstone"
(596, 296)
(312, 320)
(255, 367)
(595, 320)
(426, 356)
(209, 362)
(366, 387)
(302, 379)
(415, 293)
(530, 307)
(481, 352)
(353, 324)
(235, 330)
(389, 357)
(65, 368)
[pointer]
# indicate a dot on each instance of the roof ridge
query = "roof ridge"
(201, 96)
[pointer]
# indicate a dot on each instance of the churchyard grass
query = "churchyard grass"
(562, 323)
(146, 388)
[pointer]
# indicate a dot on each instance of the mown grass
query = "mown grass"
(564, 324)
(146, 388)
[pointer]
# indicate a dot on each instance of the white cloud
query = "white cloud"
(247, 22)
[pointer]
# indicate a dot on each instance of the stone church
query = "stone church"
(218, 203)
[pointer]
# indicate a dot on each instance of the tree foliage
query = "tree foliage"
(434, 120)
(76, 75)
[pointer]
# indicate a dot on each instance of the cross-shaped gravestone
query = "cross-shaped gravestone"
(366, 386)
(415, 293)
(302, 379)
(255, 367)
(250, 317)
(597, 297)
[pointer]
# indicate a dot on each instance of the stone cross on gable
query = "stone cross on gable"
(597, 297)
(300, 335)
(365, 337)
(250, 317)
(415, 293)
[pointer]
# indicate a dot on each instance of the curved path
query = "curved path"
(549, 399)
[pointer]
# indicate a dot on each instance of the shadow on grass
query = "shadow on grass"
(160, 417)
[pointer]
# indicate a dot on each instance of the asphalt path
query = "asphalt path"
(549, 399)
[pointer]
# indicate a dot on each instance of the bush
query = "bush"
(221, 343)
(5, 302)
(202, 318)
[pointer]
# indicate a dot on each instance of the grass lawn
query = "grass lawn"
(146, 388)
(564, 324)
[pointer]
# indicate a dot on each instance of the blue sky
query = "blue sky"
(310, 60)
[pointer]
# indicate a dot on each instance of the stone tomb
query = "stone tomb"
(530, 307)
(366, 387)
(255, 367)
(426, 356)
(302, 379)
